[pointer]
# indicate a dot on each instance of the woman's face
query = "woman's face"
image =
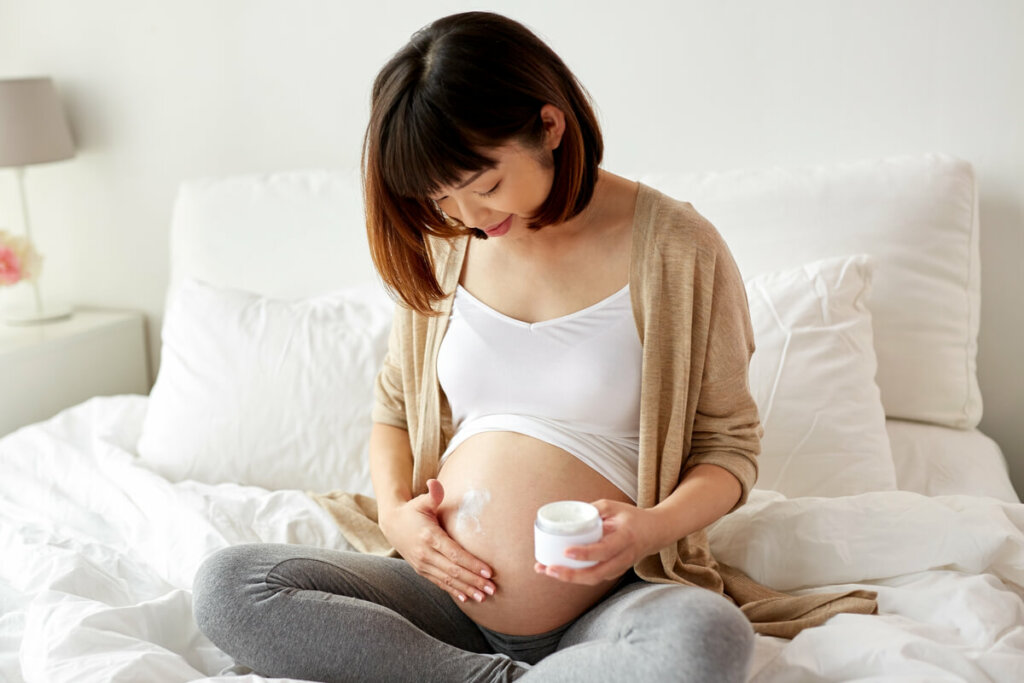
(501, 200)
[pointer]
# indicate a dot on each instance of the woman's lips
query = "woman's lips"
(499, 229)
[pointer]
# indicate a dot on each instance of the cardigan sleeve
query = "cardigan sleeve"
(389, 396)
(727, 430)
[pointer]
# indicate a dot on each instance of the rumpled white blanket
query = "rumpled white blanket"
(97, 556)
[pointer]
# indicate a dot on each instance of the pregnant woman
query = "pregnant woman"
(562, 333)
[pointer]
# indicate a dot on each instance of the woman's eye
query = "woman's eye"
(482, 194)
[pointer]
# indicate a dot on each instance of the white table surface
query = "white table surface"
(48, 367)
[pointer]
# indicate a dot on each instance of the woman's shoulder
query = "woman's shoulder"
(683, 246)
(670, 225)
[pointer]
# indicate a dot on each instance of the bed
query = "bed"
(864, 285)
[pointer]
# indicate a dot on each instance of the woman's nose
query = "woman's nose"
(472, 215)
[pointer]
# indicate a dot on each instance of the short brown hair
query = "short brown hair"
(464, 84)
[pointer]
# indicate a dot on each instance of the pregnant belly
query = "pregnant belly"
(494, 482)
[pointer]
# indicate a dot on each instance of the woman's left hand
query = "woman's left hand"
(630, 533)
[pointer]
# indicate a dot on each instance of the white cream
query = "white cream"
(563, 524)
(567, 517)
(467, 517)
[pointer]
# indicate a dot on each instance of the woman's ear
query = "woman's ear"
(554, 125)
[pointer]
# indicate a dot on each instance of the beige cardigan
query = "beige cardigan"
(691, 312)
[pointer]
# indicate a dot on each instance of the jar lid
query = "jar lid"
(567, 517)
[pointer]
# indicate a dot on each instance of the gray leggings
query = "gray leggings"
(313, 613)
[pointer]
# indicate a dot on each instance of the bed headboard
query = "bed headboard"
(298, 233)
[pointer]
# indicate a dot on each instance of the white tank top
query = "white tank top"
(572, 381)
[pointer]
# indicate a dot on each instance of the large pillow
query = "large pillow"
(917, 215)
(267, 392)
(813, 378)
(278, 393)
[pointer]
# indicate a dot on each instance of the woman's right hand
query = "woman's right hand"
(416, 533)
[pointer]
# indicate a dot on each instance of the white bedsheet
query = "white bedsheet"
(98, 556)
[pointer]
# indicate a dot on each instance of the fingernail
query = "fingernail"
(485, 573)
(490, 591)
(479, 596)
(572, 555)
(462, 597)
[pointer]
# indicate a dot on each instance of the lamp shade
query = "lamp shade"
(33, 128)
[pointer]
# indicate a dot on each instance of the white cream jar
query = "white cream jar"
(563, 524)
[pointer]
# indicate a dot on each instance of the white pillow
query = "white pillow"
(813, 378)
(917, 215)
(267, 392)
(278, 393)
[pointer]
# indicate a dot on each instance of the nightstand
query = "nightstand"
(47, 368)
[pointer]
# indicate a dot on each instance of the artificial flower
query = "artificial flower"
(19, 260)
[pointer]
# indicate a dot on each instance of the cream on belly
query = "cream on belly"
(494, 483)
(467, 517)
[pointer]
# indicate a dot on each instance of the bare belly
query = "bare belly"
(500, 479)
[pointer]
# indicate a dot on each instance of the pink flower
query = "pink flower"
(18, 259)
(10, 266)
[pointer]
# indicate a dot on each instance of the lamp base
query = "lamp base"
(29, 315)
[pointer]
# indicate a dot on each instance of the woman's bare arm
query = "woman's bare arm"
(705, 493)
(390, 466)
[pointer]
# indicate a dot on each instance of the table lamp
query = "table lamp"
(33, 130)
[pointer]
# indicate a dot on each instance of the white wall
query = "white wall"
(158, 91)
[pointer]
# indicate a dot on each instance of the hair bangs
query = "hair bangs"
(423, 151)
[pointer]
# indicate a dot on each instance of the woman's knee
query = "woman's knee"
(719, 631)
(699, 632)
(724, 619)
(217, 585)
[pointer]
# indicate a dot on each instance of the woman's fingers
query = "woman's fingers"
(456, 554)
(604, 571)
(459, 584)
(447, 564)
(436, 492)
(454, 561)
(427, 503)
(457, 580)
